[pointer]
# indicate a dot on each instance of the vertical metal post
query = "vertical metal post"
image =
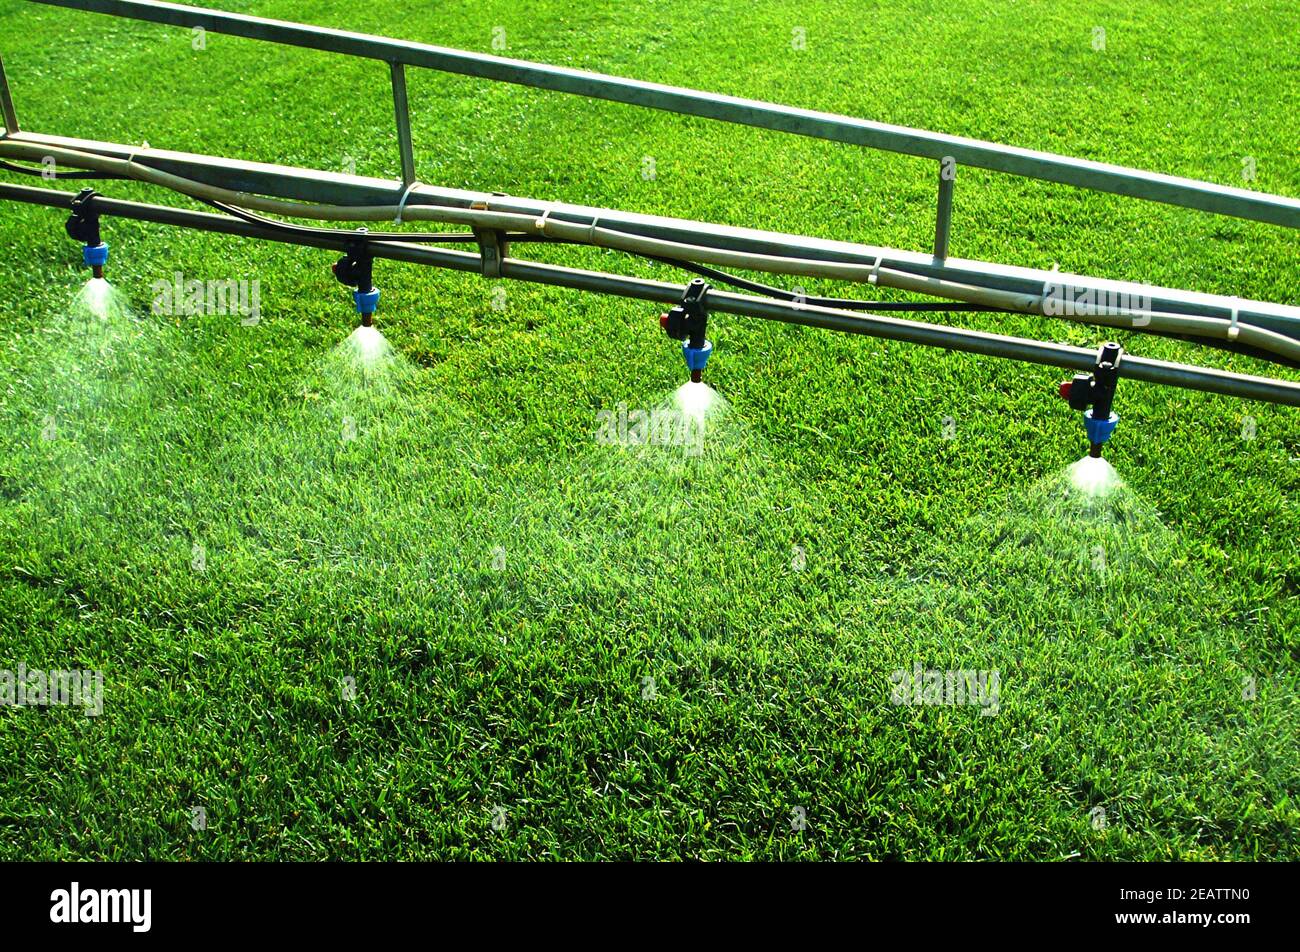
(943, 220)
(7, 103)
(403, 123)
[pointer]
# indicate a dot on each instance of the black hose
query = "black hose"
(449, 237)
(296, 229)
(846, 304)
(439, 237)
(47, 174)
(722, 277)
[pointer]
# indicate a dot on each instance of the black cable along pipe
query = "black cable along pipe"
(847, 304)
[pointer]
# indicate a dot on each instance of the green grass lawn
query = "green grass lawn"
(421, 611)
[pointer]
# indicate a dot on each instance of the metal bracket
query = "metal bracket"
(493, 248)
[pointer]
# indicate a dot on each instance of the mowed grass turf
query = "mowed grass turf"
(422, 611)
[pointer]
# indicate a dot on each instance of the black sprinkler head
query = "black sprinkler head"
(1096, 391)
(356, 269)
(83, 226)
(83, 223)
(689, 320)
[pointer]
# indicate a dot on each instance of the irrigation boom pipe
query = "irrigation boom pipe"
(1189, 377)
(317, 187)
(1218, 329)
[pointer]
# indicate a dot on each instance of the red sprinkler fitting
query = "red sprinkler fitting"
(697, 376)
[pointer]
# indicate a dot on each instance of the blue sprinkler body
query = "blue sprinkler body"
(95, 256)
(697, 358)
(1099, 431)
(367, 303)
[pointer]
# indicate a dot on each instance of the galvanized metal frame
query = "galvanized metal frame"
(1097, 176)
(403, 114)
(943, 219)
(950, 151)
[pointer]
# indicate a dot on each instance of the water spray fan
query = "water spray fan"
(270, 203)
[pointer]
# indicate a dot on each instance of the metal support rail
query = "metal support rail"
(1097, 176)
(943, 219)
(403, 112)
(7, 103)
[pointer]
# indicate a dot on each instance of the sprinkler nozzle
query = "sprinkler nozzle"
(1093, 394)
(367, 303)
(1099, 430)
(688, 322)
(96, 256)
(697, 358)
(356, 269)
(83, 226)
